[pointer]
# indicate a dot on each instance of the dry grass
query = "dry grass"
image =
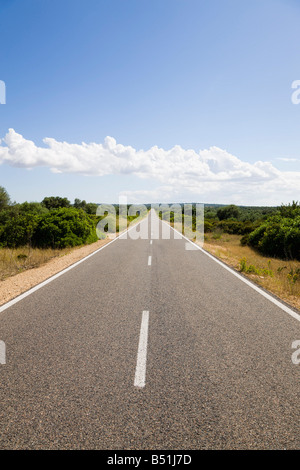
(44, 264)
(272, 274)
(14, 261)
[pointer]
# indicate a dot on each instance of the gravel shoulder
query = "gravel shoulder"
(16, 285)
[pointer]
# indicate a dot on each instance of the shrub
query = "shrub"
(228, 212)
(251, 269)
(55, 202)
(294, 275)
(245, 239)
(278, 237)
(18, 229)
(208, 226)
(61, 228)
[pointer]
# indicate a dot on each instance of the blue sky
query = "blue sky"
(194, 94)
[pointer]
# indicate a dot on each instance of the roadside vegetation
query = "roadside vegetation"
(281, 277)
(31, 233)
(263, 243)
(16, 260)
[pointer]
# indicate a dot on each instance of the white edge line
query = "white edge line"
(249, 283)
(140, 372)
(55, 276)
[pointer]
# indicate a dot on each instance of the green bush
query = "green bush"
(278, 237)
(55, 202)
(17, 229)
(61, 228)
(208, 226)
(228, 212)
(251, 269)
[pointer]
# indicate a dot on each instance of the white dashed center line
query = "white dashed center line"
(140, 372)
(149, 260)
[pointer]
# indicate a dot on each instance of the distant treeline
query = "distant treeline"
(273, 231)
(57, 223)
(51, 223)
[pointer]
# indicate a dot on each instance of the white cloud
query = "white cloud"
(286, 159)
(213, 174)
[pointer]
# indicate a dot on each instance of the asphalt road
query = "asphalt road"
(214, 355)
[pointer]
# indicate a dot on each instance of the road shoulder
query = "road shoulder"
(20, 283)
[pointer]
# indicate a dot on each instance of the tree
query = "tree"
(55, 202)
(18, 229)
(80, 204)
(278, 237)
(228, 212)
(32, 207)
(4, 198)
(290, 210)
(91, 208)
(64, 227)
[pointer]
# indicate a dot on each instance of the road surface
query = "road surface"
(148, 345)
